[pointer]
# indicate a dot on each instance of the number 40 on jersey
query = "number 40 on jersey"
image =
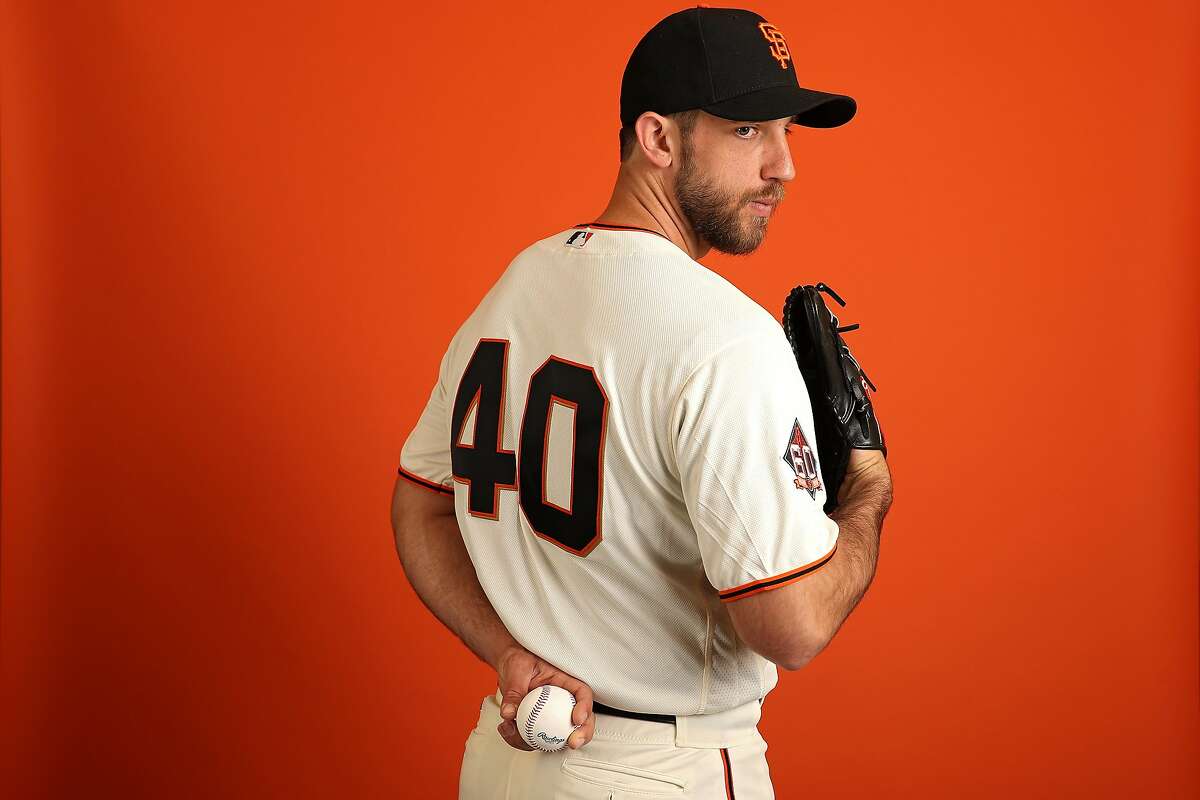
(486, 467)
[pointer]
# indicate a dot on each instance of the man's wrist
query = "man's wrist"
(866, 499)
(867, 493)
(502, 649)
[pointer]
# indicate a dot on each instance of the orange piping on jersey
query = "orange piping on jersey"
(606, 227)
(428, 484)
(774, 582)
(728, 774)
(599, 465)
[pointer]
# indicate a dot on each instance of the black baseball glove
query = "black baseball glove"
(837, 386)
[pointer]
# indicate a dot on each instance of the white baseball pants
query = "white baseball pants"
(707, 757)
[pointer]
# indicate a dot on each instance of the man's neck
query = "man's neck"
(646, 207)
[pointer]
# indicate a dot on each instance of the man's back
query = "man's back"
(629, 443)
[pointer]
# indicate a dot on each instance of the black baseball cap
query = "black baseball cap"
(729, 62)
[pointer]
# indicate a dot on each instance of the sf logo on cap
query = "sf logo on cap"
(779, 48)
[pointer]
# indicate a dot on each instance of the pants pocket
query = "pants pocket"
(612, 779)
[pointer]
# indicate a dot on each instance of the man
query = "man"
(598, 494)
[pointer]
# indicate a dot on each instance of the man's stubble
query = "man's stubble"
(715, 216)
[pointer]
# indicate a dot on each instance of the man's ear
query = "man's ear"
(652, 131)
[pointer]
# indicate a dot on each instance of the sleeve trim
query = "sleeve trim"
(428, 484)
(776, 581)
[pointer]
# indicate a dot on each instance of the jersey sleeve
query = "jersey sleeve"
(425, 456)
(747, 457)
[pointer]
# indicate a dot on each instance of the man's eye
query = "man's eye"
(787, 131)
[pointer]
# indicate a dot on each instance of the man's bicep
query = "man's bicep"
(779, 624)
(411, 501)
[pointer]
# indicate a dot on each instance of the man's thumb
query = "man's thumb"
(511, 696)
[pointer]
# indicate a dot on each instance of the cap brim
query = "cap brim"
(811, 108)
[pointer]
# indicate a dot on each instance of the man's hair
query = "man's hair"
(686, 120)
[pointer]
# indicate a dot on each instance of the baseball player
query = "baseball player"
(612, 487)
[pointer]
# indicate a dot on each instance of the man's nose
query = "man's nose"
(779, 165)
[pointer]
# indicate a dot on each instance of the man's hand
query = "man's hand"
(520, 673)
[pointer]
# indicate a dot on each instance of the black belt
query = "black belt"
(600, 708)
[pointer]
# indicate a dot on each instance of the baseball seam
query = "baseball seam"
(543, 698)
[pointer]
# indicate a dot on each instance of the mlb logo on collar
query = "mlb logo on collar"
(578, 238)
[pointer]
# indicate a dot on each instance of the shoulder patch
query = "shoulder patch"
(800, 457)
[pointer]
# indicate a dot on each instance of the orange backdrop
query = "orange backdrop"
(237, 238)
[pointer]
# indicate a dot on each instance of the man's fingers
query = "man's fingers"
(515, 675)
(581, 691)
(508, 732)
(583, 696)
(568, 682)
(583, 705)
(583, 734)
(519, 673)
(514, 685)
(508, 710)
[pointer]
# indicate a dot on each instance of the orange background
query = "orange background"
(237, 238)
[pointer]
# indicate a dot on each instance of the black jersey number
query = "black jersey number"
(486, 468)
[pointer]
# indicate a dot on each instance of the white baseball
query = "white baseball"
(544, 718)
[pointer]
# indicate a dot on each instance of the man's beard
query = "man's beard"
(716, 217)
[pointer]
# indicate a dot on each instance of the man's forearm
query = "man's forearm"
(839, 585)
(436, 562)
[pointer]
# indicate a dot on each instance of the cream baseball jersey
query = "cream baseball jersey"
(630, 446)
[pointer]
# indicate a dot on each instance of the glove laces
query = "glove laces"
(827, 289)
